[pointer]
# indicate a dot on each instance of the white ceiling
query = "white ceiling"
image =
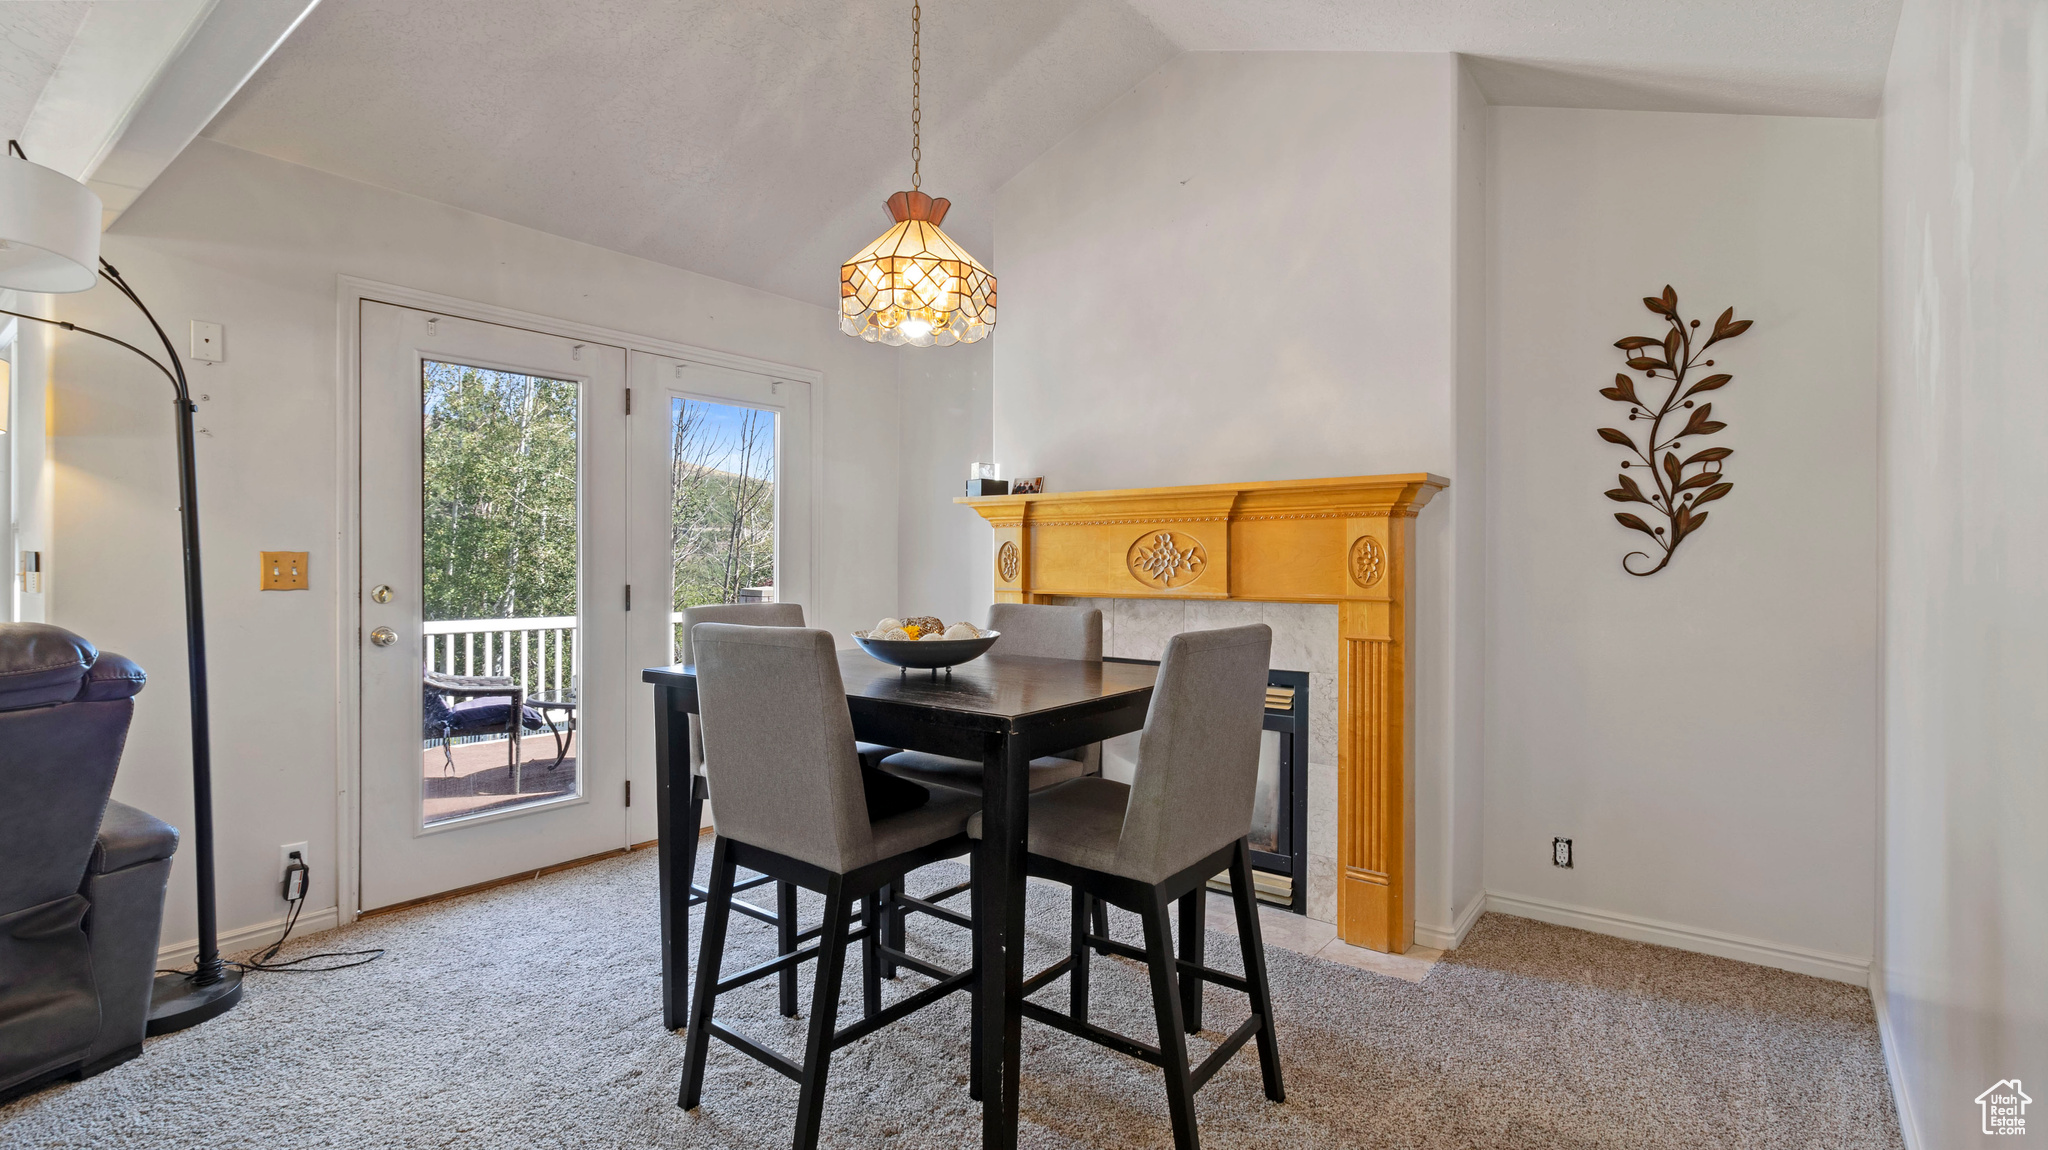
(756, 141)
(33, 38)
(110, 91)
(1782, 57)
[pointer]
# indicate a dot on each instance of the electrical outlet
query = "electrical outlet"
(1561, 853)
(285, 862)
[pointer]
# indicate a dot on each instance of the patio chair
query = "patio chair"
(487, 706)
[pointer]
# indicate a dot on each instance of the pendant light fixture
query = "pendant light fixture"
(915, 285)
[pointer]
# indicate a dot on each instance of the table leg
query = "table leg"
(677, 843)
(1005, 816)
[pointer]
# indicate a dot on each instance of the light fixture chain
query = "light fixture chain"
(916, 152)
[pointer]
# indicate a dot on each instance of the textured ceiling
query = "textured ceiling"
(755, 141)
(32, 40)
(1788, 57)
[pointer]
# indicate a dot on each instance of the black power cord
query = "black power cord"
(297, 876)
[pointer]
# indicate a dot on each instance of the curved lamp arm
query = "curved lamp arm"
(113, 276)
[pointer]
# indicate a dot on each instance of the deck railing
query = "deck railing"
(538, 652)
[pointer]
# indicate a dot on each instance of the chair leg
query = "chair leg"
(831, 960)
(1173, 1040)
(686, 864)
(1078, 949)
(978, 922)
(1247, 906)
(871, 955)
(717, 911)
(1194, 924)
(1100, 912)
(785, 942)
(893, 920)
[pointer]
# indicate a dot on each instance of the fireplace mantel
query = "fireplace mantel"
(1344, 541)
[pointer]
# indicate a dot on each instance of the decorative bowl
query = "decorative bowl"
(926, 653)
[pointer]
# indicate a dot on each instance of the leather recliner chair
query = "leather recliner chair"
(81, 877)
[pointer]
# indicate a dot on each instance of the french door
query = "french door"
(493, 500)
(720, 508)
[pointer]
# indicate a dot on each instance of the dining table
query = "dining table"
(1002, 711)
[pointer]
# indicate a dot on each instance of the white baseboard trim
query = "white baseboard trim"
(1894, 1067)
(248, 938)
(1453, 937)
(1798, 959)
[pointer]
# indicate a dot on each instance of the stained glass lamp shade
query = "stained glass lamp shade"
(915, 285)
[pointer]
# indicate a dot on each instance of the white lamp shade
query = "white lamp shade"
(49, 229)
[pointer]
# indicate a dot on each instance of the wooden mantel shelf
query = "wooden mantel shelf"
(1347, 541)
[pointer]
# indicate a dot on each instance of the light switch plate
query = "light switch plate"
(284, 571)
(206, 342)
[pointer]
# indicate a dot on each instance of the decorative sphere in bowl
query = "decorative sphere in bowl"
(926, 653)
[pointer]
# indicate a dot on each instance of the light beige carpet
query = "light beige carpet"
(528, 1016)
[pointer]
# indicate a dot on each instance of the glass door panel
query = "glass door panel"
(499, 577)
(722, 486)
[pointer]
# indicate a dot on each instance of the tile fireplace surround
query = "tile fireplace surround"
(1304, 639)
(1327, 564)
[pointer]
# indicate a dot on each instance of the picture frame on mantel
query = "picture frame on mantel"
(1344, 541)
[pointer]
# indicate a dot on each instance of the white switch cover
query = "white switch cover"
(206, 342)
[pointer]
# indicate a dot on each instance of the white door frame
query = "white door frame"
(346, 576)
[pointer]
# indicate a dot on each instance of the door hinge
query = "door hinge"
(629, 792)
(629, 401)
(629, 596)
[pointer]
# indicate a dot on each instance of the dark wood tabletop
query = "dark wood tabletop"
(1051, 704)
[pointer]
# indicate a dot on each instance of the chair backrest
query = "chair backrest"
(779, 743)
(1198, 758)
(1043, 631)
(744, 614)
(64, 712)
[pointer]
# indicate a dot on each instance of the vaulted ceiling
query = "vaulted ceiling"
(755, 141)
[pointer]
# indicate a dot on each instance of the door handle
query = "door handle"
(383, 636)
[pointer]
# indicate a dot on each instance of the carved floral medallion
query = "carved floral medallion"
(1161, 559)
(1368, 561)
(1007, 562)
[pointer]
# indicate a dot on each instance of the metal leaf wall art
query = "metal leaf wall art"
(1683, 483)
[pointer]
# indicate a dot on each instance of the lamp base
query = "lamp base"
(176, 1002)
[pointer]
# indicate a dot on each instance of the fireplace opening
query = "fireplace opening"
(1279, 837)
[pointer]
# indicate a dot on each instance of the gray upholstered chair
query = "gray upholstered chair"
(1032, 631)
(783, 918)
(81, 877)
(1183, 819)
(793, 802)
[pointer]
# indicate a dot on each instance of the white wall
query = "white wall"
(1248, 268)
(256, 244)
(28, 456)
(1705, 735)
(1964, 943)
(946, 420)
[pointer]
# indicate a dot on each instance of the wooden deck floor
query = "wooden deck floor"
(481, 781)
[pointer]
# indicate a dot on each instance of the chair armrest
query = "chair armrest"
(129, 837)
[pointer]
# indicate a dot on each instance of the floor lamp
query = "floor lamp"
(50, 242)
